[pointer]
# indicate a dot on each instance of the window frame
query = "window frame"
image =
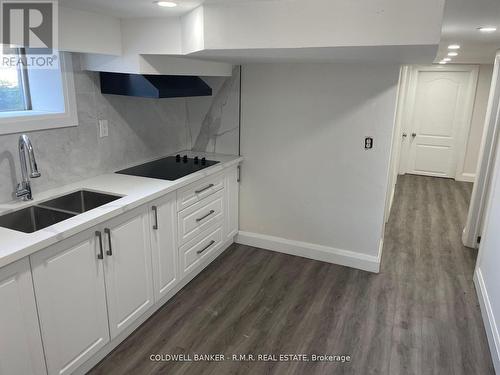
(22, 80)
(31, 120)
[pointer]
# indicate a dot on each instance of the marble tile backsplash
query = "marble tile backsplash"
(139, 129)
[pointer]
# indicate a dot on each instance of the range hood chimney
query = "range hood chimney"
(153, 86)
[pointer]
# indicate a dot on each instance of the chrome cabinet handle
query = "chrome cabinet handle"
(206, 247)
(205, 216)
(99, 236)
(108, 232)
(155, 210)
(205, 188)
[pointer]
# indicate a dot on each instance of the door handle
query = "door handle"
(99, 236)
(155, 210)
(108, 232)
(413, 135)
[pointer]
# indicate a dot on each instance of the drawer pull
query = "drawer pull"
(155, 210)
(205, 188)
(99, 236)
(205, 216)
(206, 247)
(108, 232)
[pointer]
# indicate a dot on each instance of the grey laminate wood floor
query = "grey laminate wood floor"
(420, 315)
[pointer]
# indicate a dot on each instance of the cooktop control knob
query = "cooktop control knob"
(185, 158)
(196, 159)
(177, 158)
(203, 161)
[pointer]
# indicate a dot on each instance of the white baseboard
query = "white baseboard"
(488, 319)
(466, 177)
(312, 251)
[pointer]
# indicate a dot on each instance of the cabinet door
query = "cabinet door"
(69, 287)
(232, 203)
(163, 244)
(20, 342)
(128, 269)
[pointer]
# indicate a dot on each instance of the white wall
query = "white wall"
(487, 275)
(151, 35)
(477, 123)
(306, 177)
(89, 32)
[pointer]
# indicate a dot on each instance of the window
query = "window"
(34, 97)
(14, 89)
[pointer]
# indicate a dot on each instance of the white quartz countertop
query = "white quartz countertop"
(136, 191)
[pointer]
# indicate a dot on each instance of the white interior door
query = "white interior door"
(438, 119)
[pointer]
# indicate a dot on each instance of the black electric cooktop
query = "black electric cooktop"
(169, 168)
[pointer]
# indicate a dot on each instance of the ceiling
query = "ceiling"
(460, 23)
(142, 8)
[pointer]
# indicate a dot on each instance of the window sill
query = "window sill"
(26, 121)
(15, 115)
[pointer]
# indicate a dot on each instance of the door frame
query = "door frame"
(409, 109)
(487, 153)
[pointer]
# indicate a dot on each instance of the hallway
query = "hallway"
(420, 315)
(437, 322)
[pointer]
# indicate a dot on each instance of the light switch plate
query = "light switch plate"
(103, 128)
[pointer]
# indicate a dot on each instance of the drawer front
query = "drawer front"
(199, 190)
(195, 219)
(192, 252)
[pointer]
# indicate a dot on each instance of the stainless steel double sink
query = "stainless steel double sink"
(45, 214)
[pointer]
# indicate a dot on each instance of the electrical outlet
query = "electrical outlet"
(103, 128)
(368, 143)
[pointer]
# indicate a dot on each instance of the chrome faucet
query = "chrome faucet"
(24, 187)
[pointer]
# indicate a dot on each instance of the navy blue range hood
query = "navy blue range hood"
(153, 86)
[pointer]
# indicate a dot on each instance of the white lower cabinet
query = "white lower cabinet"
(163, 244)
(70, 293)
(20, 343)
(93, 286)
(128, 269)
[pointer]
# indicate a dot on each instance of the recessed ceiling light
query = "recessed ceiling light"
(454, 46)
(167, 4)
(443, 62)
(452, 53)
(446, 59)
(487, 29)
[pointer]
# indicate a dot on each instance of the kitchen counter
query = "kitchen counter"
(137, 191)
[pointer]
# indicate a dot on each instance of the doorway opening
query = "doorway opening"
(440, 123)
